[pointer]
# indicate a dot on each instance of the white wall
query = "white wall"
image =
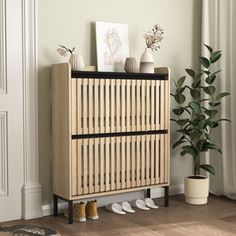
(71, 22)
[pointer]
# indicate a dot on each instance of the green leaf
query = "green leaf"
(207, 72)
(190, 72)
(180, 90)
(204, 61)
(176, 144)
(195, 93)
(215, 56)
(182, 122)
(190, 150)
(221, 95)
(180, 81)
(197, 77)
(208, 168)
(211, 113)
(206, 146)
(195, 107)
(210, 79)
(178, 111)
(209, 48)
(214, 104)
(180, 98)
(195, 135)
(196, 84)
(210, 90)
(183, 153)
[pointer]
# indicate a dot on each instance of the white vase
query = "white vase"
(77, 62)
(147, 61)
(131, 65)
(196, 190)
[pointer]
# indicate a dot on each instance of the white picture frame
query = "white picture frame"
(112, 43)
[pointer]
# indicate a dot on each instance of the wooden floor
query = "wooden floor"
(218, 217)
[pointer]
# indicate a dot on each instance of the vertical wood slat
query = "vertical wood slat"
(133, 105)
(118, 128)
(113, 171)
(148, 105)
(162, 104)
(74, 113)
(138, 106)
(101, 106)
(90, 101)
(85, 166)
(107, 164)
(113, 125)
(162, 158)
(123, 105)
(74, 182)
(128, 160)
(152, 161)
(133, 161)
(157, 159)
(128, 106)
(91, 160)
(96, 165)
(85, 106)
(101, 170)
(143, 162)
(107, 105)
(123, 154)
(147, 155)
(79, 105)
(157, 105)
(143, 104)
(118, 162)
(138, 161)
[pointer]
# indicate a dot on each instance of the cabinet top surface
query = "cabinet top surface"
(118, 75)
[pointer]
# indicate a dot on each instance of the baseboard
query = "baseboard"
(32, 200)
(103, 201)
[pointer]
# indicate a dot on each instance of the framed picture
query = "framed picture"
(112, 46)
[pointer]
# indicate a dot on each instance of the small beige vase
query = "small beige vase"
(196, 190)
(77, 62)
(147, 61)
(131, 65)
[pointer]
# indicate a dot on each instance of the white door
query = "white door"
(11, 110)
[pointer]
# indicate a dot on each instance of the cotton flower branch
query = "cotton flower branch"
(64, 50)
(153, 37)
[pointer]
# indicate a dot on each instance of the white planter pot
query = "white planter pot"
(196, 190)
(147, 61)
(77, 62)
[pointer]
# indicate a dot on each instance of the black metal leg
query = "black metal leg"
(55, 205)
(166, 200)
(148, 193)
(70, 212)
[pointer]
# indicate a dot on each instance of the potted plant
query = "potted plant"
(196, 116)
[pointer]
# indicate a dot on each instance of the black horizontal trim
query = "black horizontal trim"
(119, 134)
(117, 75)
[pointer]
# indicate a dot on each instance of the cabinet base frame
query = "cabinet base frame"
(70, 203)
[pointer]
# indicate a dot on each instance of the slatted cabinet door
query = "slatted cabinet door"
(119, 132)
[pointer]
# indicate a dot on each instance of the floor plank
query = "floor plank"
(216, 218)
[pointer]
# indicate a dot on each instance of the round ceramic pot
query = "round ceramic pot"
(131, 65)
(196, 189)
(147, 61)
(77, 62)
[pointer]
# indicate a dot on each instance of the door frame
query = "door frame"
(32, 189)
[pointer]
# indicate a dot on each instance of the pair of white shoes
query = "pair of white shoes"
(125, 207)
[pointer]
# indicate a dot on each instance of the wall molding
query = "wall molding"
(3, 79)
(103, 201)
(3, 155)
(32, 189)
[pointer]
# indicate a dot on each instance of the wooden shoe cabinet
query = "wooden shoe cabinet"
(110, 133)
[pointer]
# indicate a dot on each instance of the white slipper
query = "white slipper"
(115, 208)
(150, 203)
(140, 204)
(127, 207)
